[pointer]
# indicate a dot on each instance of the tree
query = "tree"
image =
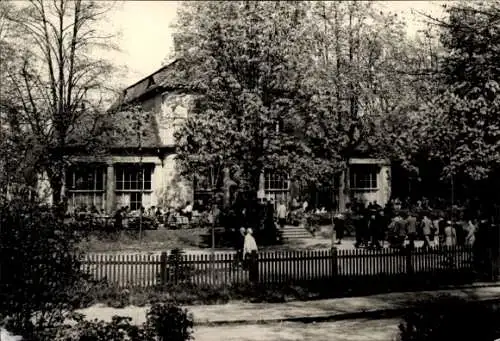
(361, 82)
(53, 86)
(463, 126)
(246, 62)
(287, 87)
(14, 145)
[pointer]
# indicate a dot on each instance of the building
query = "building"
(139, 167)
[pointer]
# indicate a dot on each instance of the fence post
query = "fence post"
(334, 262)
(409, 263)
(163, 268)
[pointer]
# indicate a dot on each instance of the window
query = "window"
(364, 177)
(86, 185)
(276, 186)
(208, 180)
(133, 185)
(275, 182)
(133, 178)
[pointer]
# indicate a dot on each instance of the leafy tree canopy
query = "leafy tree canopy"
(292, 87)
(463, 126)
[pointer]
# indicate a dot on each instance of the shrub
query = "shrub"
(451, 319)
(177, 269)
(169, 322)
(119, 329)
(39, 267)
(164, 322)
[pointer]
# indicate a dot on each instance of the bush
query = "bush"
(451, 319)
(118, 329)
(177, 269)
(169, 322)
(164, 322)
(39, 267)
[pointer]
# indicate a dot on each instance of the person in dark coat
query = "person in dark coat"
(377, 228)
(240, 245)
(339, 227)
(367, 213)
(269, 225)
(400, 229)
(360, 226)
(118, 220)
(411, 228)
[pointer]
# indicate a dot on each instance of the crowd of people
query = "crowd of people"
(124, 217)
(373, 225)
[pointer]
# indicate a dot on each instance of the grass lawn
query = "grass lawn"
(152, 240)
(187, 239)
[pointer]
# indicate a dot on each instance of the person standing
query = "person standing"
(269, 223)
(471, 232)
(188, 211)
(372, 226)
(450, 235)
(250, 255)
(377, 229)
(305, 205)
(400, 227)
(118, 220)
(125, 217)
(249, 243)
(358, 222)
(427, 230)
(366, 222)
(281, 214)
(339, 227)
(240, 245)
(436, 225)
(411, 228)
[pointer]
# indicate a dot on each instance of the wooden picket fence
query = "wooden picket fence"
(141, 270)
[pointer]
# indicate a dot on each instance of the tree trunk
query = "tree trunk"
(347, 183)
(56, 174)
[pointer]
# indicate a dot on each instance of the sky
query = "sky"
(145, 33)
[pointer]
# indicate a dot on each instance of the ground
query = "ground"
(156, 241)
(348, 330)
(151, 240)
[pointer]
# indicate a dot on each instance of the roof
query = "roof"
(121, 125)
(148, 84)
(132, 130)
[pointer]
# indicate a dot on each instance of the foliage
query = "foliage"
(40, 268)
(164, 322)
(302, 104)
(462, 125)
(451, 319)
(176, 266)
(169, 322)
(360, 79)
(204, 294)
(53, 87)
(118, 329)
(247, 75)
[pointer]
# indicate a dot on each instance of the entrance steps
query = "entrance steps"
(291, 232)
